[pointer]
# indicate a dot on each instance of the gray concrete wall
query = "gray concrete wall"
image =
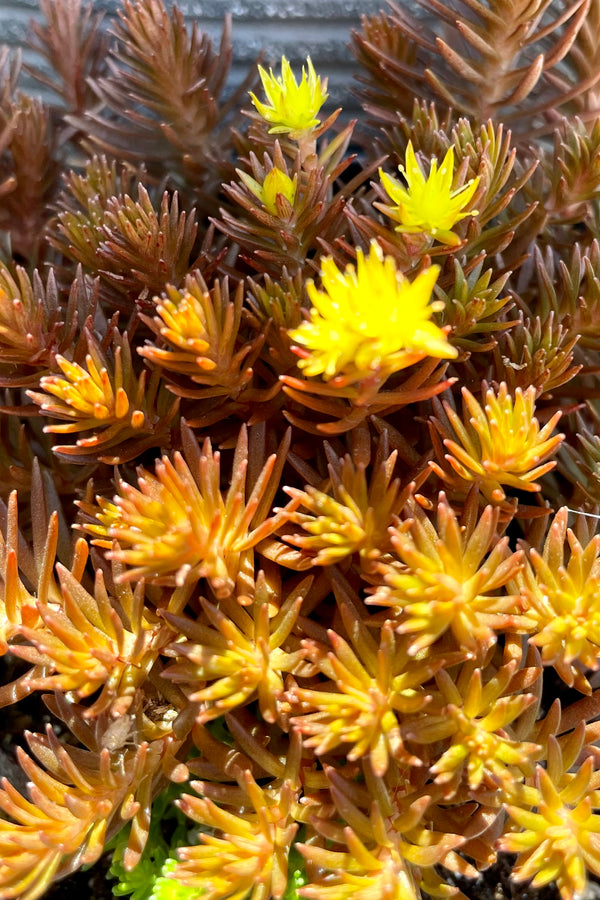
(295, 28)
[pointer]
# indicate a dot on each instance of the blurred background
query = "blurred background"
(296, 28)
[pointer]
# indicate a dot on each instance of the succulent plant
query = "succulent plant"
(292, 551)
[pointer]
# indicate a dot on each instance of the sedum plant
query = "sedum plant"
(298, 574)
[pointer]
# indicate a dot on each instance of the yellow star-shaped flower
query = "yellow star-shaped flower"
(428, 205)
(369, 319)
(276, 184)
(293, 107)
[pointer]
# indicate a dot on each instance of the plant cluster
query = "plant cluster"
(299, 457)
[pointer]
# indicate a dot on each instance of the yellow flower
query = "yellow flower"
(428, 205)
(293, 107)
(277, 184)
(369, 320)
